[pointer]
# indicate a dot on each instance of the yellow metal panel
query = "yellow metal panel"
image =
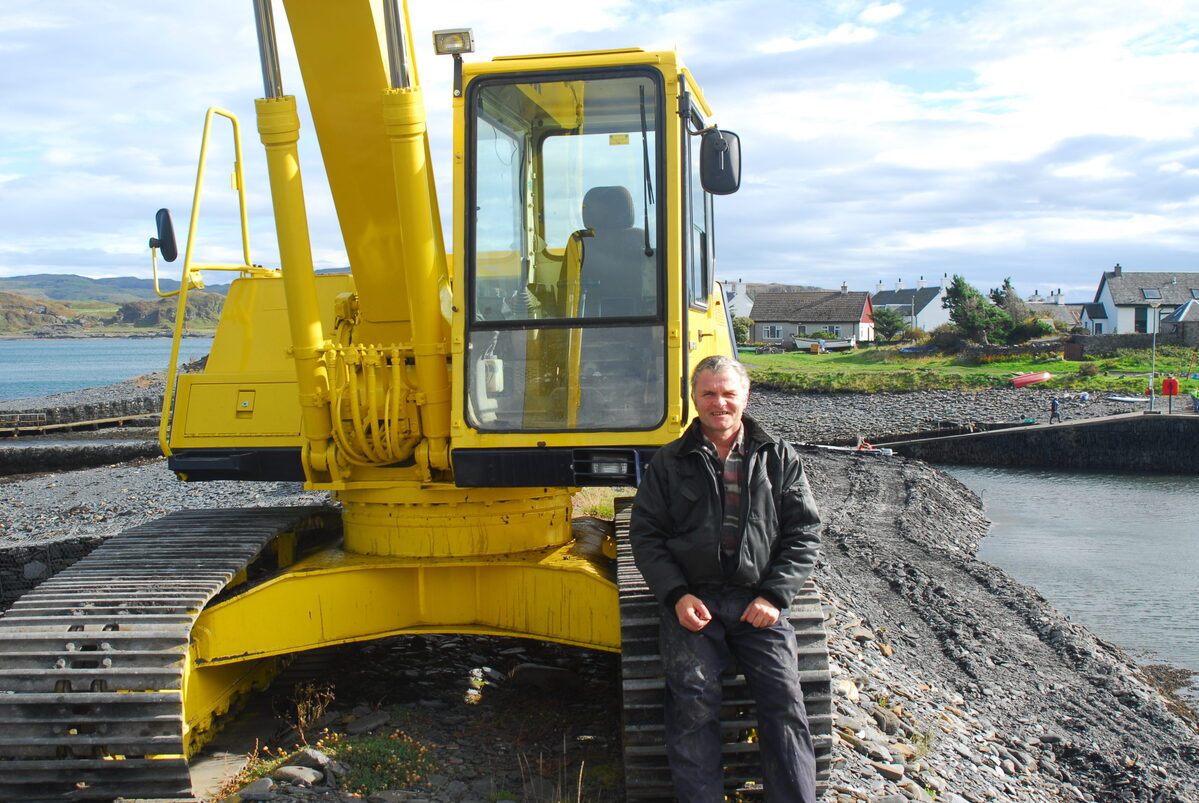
(253, 334)
(444, 521)
(250, 355)
(342, 58)
(209, 693)
(666, 60)
(216, 406)
(335, 598)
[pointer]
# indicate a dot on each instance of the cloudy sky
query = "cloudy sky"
(1043, 140)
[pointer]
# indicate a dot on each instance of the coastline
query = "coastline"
(949, 676)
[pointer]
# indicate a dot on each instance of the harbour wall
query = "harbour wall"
(1142, 441)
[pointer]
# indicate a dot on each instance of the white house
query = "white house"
(1127, 301)
(779, 317)
(920, 306)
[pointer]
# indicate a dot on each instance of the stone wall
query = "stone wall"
(117, 408)
(1142, 441)
(50, 456)
(1042, 348)
(23, 567)
(1094, 345)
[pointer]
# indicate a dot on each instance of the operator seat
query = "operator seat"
(614, 270)
(613, 277)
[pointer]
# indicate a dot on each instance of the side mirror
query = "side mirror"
(165, 241)
(720, 161)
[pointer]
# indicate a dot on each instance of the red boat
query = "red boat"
(1030, 379)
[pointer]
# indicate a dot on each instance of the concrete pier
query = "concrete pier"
(1140, 441)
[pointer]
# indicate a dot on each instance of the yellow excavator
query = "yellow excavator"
(451, 405)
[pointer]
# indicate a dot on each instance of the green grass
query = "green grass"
(887, 369)
(376, 763)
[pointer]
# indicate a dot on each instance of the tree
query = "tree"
(1008, 300)
(888, 322)
(976, 317)
(741, 329)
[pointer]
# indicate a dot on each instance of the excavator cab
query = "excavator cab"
(586, 252)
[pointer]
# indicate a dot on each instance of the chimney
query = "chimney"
(898, 285)
(1118, 270)
(1059, 300)
(944, 281)
(844, 288)
(878, 288)
(920, 284)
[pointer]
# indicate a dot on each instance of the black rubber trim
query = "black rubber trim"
(263, 465)
(550, 467)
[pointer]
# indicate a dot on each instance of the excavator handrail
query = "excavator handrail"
(191, 273)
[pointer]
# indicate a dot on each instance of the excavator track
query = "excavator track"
(93, 662)
(647, 774)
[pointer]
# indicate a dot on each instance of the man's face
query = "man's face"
(720, 399)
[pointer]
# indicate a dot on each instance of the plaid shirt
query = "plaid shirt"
(732, 481)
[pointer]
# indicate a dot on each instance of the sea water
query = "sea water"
(1118, 553)
(30, 368)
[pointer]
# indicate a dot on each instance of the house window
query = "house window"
(1151, 293)
(1098, 328)
(835, 331)
(802, 329)
(772, 331)
(1195, 292)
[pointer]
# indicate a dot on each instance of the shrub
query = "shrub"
(946, 338)
(1089, 369)
(1029, 330)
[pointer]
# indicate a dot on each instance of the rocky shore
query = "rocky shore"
(953, 682)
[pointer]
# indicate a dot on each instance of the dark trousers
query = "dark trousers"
(693, 664)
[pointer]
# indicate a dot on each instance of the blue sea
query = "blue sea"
(31, 368)
(1116, 552)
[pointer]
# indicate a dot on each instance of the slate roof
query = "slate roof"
(1175, 287)
(903, 298)
(1096, 312)
(1184, 314)
(1069, 314)
(811, 306)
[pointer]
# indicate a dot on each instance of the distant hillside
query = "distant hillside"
(19, 313)
(39, 317)
(203, 311)
(69, 287)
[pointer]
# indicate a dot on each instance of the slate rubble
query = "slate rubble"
(952, 681)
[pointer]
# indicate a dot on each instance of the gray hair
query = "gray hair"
(719, 364)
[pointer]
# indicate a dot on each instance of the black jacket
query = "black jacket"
(679, 508)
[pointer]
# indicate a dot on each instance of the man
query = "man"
(724, 530)
(1055, 410)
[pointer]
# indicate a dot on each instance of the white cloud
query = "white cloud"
(844, 34)
(1098, 167)
(881, 13)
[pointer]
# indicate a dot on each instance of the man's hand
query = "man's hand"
(760, 613)
(692, 612)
